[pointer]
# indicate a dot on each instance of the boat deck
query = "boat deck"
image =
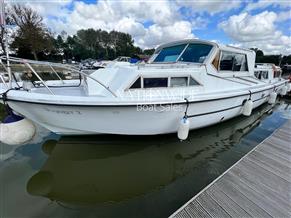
(65, 91)
(258, 185)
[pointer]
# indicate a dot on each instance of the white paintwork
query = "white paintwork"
(91, 109)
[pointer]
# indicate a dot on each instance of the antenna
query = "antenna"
(3, 24)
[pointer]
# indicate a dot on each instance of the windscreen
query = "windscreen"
(170, 54)
(195, 52)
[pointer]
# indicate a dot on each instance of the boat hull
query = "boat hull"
(145, 119)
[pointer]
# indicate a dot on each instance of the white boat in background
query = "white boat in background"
(121, 60)
(199, 82)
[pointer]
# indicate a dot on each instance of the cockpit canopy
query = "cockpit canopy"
(188, 52)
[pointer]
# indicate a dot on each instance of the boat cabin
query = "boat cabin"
(187, 63)
(267, 71)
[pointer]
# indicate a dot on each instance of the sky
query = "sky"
(264, 24)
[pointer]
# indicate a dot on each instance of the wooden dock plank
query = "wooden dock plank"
(212, 207)
(267, 205)
(183, 214)
(232, 208)
(196, 210)
(271, 165)
(253, 181)
(258, 185)
(267, 192)
(239, 198)
(275, 157)
(276, 152)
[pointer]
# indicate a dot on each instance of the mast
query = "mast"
(5, 35)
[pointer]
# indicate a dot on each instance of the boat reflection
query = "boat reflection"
(98, 169)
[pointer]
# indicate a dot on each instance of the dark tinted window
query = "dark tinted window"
(155, 82)
(233, 62)
(179, 81)
(170, 54)
(136, 84)
(193, 82)
(196, 53)
(240, 62)
(265, 74)
(226, 61)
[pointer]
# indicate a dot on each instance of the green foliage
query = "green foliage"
(32, 38)
(275, 59)
(149, 51)
(99, 44)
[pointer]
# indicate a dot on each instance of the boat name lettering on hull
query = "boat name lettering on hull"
(65, 112)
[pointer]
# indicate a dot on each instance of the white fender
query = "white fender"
(289, 87)
(272, 98)
(17, 133)
(183, 130)
(247, 108)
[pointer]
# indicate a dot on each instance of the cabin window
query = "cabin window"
(193, 82)
(264, 74)
(196, 53)
(136, 84)
(233, 62)
(183, 81)
(179, 81)
(155, 82)
(170, 54)
(164, 82)
(258, 74)
(226, 61)
(240, 62)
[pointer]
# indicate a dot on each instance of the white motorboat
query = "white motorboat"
(121, 60)
(197, 81)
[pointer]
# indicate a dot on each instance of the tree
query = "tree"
(149, 51)
(4, 32)
(32, 37)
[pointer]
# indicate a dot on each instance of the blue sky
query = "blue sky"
(264, 24)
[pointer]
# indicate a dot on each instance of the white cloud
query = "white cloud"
(257, 31)
(210, 6)
(156, 34)
(283, 16)
(48, 8)
(262, 4)
(245, 27)
(125, 16)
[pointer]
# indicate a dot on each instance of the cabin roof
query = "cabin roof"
(218, 45)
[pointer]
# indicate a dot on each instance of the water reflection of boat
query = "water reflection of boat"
(91, 170)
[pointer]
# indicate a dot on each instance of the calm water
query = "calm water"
(115, 176)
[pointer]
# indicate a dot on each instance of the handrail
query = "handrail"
(1, 77)
(3, 81)
(55, 72)
(35, 73)
(50, 64)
